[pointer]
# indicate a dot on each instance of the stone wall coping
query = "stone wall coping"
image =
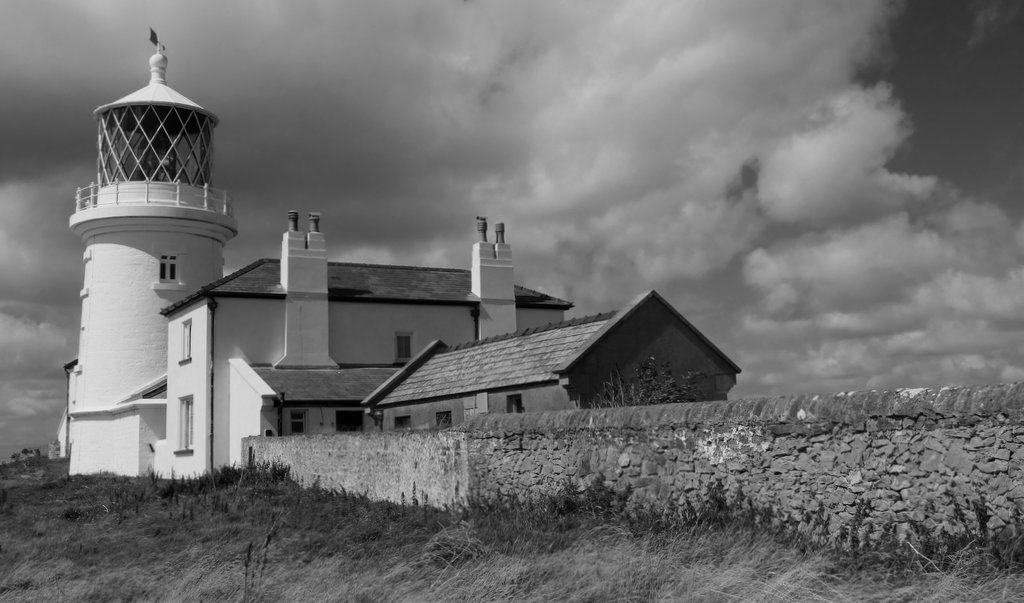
(848, 408)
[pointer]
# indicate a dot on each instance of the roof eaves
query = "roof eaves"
(403, 373)
(547, 301)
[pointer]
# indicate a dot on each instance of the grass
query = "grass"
(255, 536)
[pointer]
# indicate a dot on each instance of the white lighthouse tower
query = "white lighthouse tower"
(154, 230)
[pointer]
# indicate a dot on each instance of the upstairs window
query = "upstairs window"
(514, 403)
(168, 268)
(186, 340)
(403, 347)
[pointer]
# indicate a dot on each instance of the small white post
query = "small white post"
(177, 191)
(206, 195)
(147, 192)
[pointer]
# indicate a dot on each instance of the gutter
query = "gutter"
(280, 414)
(67, 406)
(212, 305)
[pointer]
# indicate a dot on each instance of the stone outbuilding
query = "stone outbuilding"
(558, 366)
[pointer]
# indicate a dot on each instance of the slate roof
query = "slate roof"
(369, 282)
(346, 384)
(524, 357)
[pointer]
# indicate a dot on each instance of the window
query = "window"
(297, 421)
(186, 340)
(168, 269)
(403, 422)
(348, 420)
(514, 403)
(403, 346)
(187, 424)
(443, 419)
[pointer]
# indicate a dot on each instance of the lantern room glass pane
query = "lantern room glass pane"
(156, 143)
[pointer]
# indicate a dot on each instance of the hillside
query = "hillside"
(254, 535)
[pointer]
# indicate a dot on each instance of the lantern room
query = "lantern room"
(155, 135)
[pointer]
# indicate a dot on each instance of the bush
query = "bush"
(652, 384)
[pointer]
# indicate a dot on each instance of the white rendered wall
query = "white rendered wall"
(537, 317)
(123, 338)
(249, 396)
(152, 427)
(252, 330)
(187, 377)
(106, 443)
(249, 329)
(365, 332)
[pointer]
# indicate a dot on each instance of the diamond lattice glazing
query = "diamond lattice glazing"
(158, 143)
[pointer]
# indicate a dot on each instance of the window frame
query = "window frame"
(168, 271)
(514, 404)
(406, 420)
(186, 423)
(399, 335)
(437, 419)
(302, 416)
(186, 340)
(337, 423)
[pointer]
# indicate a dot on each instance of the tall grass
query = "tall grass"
(254, 535)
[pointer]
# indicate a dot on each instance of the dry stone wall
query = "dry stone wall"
(858, 464)
(861, 464)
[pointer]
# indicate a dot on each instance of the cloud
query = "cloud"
(990, 16)
(846, 269)
(31, 349)
(835, 168)
(895, 302)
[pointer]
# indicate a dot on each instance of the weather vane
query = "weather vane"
(156, 41)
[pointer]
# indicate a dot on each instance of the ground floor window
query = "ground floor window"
(297, 421)
(403, 422)
(186, 422)
(514, 403)
(348, 420)
(443, 419)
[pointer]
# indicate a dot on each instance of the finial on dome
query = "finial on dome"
(158, 69)
(157, 62)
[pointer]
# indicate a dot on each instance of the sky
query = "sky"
(828, 189)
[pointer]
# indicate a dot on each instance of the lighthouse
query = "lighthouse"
(154, 230)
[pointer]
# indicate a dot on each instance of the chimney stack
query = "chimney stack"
(304, 279)
(493, 282)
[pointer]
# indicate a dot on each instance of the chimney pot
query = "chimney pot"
(314, 221)
(481, 227)
(499, 233)
(293, 220)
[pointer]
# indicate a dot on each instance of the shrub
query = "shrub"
(652, 384)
